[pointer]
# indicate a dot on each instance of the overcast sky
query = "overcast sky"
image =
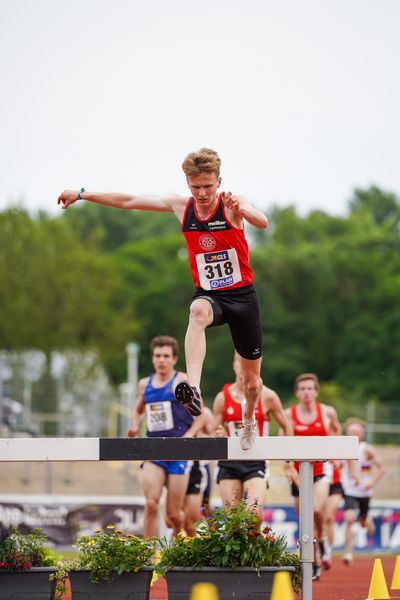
(301, 98)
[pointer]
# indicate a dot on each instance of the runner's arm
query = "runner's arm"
(380, 469)
(272, 404)
(197, 425)
(288, 467)
(138, 412)
(334, 427)
(124, 201)
(218, 410)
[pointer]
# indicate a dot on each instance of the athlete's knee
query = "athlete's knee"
(318, 515)
(348, 517)
(175, 517)
(200, 314)
(152, 505)
(253, 384)
(329, 520)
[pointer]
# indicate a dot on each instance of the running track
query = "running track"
(339, 583)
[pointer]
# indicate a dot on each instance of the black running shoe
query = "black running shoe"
(189, 397)
(316, 572)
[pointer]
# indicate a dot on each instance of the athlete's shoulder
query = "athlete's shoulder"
(328, 409)
(270, 395)
(143, 381)
(177, 204)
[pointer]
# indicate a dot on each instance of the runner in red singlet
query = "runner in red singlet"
(213, 226)
(245, 479)
(309, 417)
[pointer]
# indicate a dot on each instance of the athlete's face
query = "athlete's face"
(204, 188)
(306, 392)
(163, 359)
(237, 369)
(356, 429)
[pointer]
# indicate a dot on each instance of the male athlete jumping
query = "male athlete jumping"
(213, 226)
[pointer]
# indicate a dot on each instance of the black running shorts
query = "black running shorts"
(243, 470)
(238, 308)
(199, 479)
(355, 503)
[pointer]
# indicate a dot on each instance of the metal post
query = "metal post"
(371, 417)
(306, 527)
(132, 350)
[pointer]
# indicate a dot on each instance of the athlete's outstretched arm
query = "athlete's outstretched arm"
(124, 201)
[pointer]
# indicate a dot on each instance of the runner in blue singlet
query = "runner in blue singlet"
(165, 417)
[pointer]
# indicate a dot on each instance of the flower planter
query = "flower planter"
(127, 586)
(243, 584)
(32, 584)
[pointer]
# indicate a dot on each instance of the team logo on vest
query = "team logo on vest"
(207, 241)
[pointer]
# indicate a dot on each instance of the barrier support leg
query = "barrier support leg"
(306, 527)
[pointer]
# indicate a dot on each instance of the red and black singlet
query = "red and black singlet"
(218, 251)
(316, 427)
(233, 415)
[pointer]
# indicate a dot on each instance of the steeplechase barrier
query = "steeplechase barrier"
(305, 450)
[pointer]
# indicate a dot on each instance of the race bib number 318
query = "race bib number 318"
(218, 269)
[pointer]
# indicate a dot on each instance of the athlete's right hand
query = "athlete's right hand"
(67, 197)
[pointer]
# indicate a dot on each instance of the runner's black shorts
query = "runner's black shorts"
(355, 503)
(199, 480)
(243, 470)
(238, 308)
(295, 490)
(336, 488)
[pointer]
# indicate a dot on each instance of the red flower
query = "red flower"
(267, 529)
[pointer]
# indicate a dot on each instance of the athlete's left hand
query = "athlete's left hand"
(232, 202)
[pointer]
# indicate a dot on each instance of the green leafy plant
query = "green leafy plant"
(19, 552)
(110, 552)
(231, 537)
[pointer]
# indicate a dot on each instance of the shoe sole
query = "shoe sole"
(185, 395)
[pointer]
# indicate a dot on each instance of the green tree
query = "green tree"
(329, 290)
(57, 293)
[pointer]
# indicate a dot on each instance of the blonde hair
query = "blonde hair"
(355, 421)
(304, 377)
(203, 161)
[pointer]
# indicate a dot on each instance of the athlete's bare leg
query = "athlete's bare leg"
(201, 315)
(331, 508)
(176, 491)
(192, 510)
(231, 491)
(154, 478)
(320, 496)
(349, 518)
(252, 383)
(254, 492)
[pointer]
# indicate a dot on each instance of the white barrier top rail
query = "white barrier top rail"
(313, 448)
